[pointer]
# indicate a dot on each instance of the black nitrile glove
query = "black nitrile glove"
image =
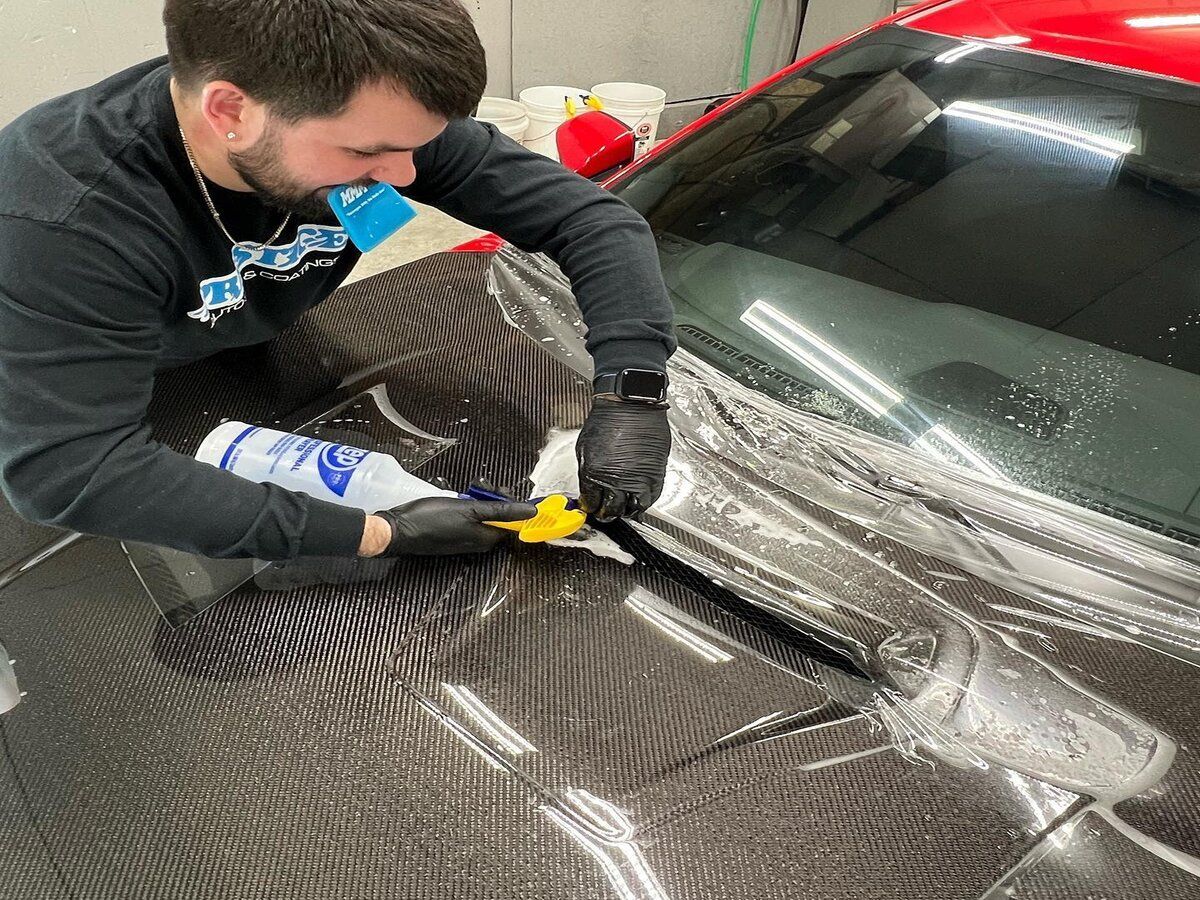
(622, 451)
(446, 526)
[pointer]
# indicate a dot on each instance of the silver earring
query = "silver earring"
(231, 135)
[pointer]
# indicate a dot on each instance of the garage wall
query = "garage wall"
(493, 21)
(50, 47)
(691, 49)
(828, 20)
(688, 49)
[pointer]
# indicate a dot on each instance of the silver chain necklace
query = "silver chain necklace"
(213, 209)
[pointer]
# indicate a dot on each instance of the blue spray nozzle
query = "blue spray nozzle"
(475, 492)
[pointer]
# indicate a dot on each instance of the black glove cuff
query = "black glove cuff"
(388, 516)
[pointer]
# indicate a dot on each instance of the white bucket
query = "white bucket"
(507, 115)
(547, 110)
(639, 106)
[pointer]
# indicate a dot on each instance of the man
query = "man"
(122, 206)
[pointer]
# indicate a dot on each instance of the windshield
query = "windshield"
(982, 254)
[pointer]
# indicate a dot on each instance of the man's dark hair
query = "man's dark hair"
(307, 58)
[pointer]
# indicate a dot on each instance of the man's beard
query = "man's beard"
(261, 167)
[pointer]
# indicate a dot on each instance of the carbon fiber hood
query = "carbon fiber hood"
(824, 711)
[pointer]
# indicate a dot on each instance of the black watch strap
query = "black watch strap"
(604, 384)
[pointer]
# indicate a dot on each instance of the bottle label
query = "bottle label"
(337, 464)
(234, 451)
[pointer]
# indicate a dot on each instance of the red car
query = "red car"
(917, 613)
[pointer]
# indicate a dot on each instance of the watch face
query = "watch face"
(641, 384)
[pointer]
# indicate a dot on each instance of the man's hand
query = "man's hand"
(440, 526)
(622, 453)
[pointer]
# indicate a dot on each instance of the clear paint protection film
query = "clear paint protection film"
(10, 693)
(183, 585)
(866, 667)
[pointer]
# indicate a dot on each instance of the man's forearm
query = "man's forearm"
(604, 247)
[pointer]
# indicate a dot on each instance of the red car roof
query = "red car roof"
(1160, 37)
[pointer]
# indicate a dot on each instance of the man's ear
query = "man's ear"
(236, 118)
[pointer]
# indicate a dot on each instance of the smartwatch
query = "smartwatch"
(634, 385)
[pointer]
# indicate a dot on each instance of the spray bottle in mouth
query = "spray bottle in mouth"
(370, 213)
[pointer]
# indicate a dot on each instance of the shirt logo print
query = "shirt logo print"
(228, 292)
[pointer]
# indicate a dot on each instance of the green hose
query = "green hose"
(750, 29)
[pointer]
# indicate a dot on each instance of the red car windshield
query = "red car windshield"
(983, 254)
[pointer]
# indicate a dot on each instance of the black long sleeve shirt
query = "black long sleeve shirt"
(112, 267)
